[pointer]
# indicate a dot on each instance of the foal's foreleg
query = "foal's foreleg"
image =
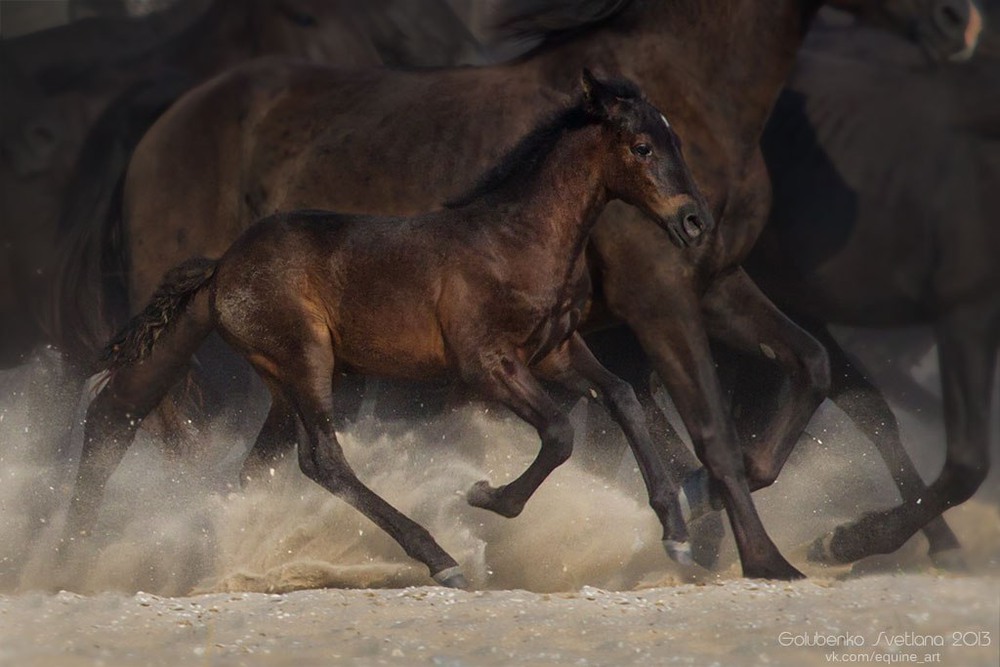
(575, 367)
(508, 380)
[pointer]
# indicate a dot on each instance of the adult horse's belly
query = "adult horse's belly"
(849, 269)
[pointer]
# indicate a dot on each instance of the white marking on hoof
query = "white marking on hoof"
(446, 574)
(679, 552)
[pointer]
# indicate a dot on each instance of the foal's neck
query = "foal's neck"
(555, 207)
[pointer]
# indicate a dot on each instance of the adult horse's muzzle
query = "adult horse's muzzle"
(955, 28)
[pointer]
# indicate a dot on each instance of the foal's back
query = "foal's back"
(370, 286)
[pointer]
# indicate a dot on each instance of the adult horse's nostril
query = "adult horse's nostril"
(693, 225)
(952, 16)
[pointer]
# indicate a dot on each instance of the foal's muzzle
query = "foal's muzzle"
(689, 225)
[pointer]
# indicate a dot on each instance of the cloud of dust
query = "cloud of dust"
(172, 529)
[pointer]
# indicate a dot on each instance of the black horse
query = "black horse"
(885, 173)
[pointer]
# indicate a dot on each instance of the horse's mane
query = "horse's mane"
(539, 20)
(522, 161)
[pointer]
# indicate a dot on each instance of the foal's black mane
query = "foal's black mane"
(521, 163)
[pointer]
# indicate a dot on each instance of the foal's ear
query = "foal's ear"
(595, 97)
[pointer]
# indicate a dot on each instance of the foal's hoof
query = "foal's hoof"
(950, 560)
(679, 552)
(485, 496)
(452, 577)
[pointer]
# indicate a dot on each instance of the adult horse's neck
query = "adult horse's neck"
(728, 58)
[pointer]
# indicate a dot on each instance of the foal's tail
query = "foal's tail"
(135, 342)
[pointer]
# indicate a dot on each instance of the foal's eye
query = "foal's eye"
(642, 150)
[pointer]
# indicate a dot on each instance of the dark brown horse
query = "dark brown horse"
(77, 98)
(278, 136)
(490, 290)
(886, 175)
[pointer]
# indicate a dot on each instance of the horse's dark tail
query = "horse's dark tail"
(89, 299)
(136, 341)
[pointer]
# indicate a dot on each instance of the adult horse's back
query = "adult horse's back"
(78, 97)
(277, 135)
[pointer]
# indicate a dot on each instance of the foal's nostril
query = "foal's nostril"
(693, 225)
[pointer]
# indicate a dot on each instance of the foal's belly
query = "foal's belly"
(391, 342)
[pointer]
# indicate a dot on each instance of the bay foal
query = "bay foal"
(491, 289)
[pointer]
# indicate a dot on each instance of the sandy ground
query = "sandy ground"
(901, 618)
(284, 573)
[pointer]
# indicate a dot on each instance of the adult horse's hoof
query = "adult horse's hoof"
(706, 539)
(821, 552)
(679, 552)
(485, 496)
(452, 577)
(695, 496)
(780, 570)
(950, 560)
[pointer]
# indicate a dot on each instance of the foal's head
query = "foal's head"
(644, 166)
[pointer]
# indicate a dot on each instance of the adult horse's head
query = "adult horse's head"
(945, 29)
(649, 171)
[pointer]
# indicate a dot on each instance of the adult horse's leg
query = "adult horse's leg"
(277, 437)
(118, 410)
(866, 406)
(575, 368)
(738, 314)
(967, 350)
(625, 359)
(657, 299)
(621, 355)
(308, 388)
(512, 383)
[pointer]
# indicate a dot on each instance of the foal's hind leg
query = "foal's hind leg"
(867, 408)
(575, 368)
(307, 385)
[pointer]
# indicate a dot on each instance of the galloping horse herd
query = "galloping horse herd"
(429, 190)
